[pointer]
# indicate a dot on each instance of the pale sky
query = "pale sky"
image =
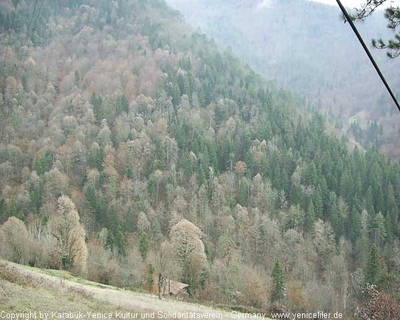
(346, 3)
(352, 3)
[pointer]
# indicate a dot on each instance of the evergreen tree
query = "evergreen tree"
(150, 275)
(378, 229)
(390, 199)
(110, 241)
(309, 217)
(243, 193)
(97, 103)
(318, 203)
(77, 78)
(25, 83)
(392, 14)
(129, 222)
(296, 195)
(369, 201)
(371, 275)
(120, 242)
(278, 279)
(122, 105)
(311, 176)
(392, 225)
(144, 245)
(345, 186)
(44, 163)
(354, 225)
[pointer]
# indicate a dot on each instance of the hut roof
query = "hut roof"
(174, 286)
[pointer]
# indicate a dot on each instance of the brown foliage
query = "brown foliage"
(240, 168)
(379, 306)
(11, 88)
(69, 246)
(295, 296)
(253, 288)
(15, 241)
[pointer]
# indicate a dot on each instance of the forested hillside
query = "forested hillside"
(133, 150)
(306, 47)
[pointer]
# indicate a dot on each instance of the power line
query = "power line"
(348, 18)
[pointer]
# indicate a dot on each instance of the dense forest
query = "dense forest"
(306, 47)
(133, 149)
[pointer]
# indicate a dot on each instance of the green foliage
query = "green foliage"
(120, 243)
(2, 211)
(309, 217)
(392, 14)
(66, 262)
(355, 225)
(98, 107)
(144, 245)
(99, 158)
(372, 269)
(36, 197)
(190, 114)
(378, 229)
(25, 83)
(278, 279)
(44, 163)
(150, 275)
(77, 77)
(122, 105)
(110, 243)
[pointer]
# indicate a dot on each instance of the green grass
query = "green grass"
(22, 298)
(65, 275)
(28, 289)
(23, 293)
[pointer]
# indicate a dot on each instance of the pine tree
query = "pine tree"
(309, 217)
(120, 242)
(97, 103)
(296, 195)
(310, 176)
(369, 201)
(278, 278)
(354, 225)
(77, 78)
(392, 14)
(25, 83)
(122, 105)
(371, 275)
(318, 203)
(392, 225)
(243, 192)
(110, 241)
(144, 245)
(378, 229)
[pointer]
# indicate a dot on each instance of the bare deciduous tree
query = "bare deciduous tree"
(166, 266)
(70, 247)
(189, 251)
(14, 239)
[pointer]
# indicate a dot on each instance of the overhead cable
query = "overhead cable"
(349, 19)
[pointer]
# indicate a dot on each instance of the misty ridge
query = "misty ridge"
(307, 48)
(145, 167)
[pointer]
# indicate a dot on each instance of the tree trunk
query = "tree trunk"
(160, 281)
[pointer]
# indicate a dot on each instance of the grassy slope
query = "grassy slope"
(27, 289)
